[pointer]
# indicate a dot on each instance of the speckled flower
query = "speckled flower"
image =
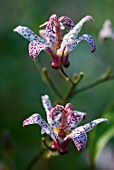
(51, 39)
(62, 125)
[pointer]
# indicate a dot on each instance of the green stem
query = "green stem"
(93, 84)
(65, 75)
(47, 77)
(49, 81)
(71, 90)
(69, 94)
(36, 159)
(46, 145)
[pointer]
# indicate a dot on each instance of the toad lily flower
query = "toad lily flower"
(51, 39)
(62, 125)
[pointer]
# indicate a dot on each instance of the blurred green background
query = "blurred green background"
(21, 84)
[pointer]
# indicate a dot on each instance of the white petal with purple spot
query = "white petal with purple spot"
(37, 119)
(72, 35)
(35, 48)
(28, 34)
(86, 37)
(47, 106)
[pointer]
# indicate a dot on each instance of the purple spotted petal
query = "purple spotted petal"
(50, 24)
(44, 24)
(85, 37)
(89, 126)
(49, 32)
(81, 114)
(68, 21)
(78, 135)
(47, 106)
(80, 140)
(56, 114)
(74, 118)
(72, 35)
(49, 36)
(43, 33)
(37, 119)
(28, 34)
(69, 47)
(35, 48)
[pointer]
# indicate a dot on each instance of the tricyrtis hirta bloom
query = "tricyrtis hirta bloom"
(62, 125)
(52, 41)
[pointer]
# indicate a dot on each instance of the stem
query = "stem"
(49, 81)
(36, 159)
(65, 75)
(47, 77)
(71, 90)
(69, 94)
(46, 145)
(93, 84)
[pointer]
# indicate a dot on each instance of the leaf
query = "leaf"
(103, 140)
(103, 133)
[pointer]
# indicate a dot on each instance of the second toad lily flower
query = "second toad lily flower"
(62, 125)
(52, 41)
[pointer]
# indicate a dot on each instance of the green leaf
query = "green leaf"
(103, 140)
(102, 133)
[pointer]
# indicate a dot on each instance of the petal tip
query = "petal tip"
(17, 28)
(89, 18)
(33, 57)
(45, 96)
(93, 50)
(24, 124)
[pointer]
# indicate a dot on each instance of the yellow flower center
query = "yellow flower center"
(56, 130)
